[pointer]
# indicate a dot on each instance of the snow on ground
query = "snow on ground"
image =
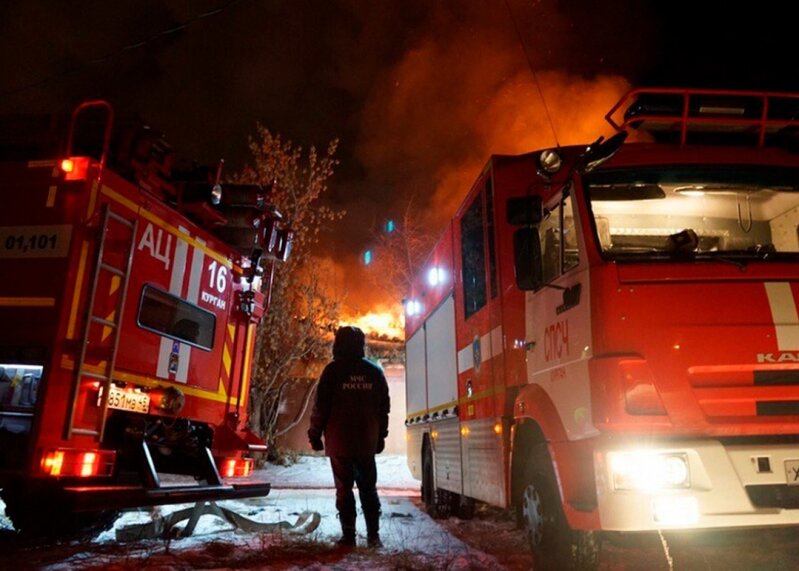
(412, 540)
(403, 525)
(315, 472)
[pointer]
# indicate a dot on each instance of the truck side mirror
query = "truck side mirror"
(527, 258)
(525, 210)
(600, 151)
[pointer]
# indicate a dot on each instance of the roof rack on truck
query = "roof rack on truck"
(668, 111)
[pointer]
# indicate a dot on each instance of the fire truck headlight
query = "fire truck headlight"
(649, 471)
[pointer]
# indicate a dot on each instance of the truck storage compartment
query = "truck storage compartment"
(19, 387)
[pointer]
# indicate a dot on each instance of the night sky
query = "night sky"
(419, 92)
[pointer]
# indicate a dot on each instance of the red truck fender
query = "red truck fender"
(537, 422)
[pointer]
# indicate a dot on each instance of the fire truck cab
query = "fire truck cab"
(606, 338)
(129, 302)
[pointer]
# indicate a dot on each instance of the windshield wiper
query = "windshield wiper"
(760, 252)
(685, 256)
(740, 259)
(740, 264)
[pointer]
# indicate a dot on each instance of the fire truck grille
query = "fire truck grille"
(777, 408)
(741, 391)
(767, 378)
(774, 496)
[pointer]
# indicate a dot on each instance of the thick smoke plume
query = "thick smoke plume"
(434, 123)
(458, 94)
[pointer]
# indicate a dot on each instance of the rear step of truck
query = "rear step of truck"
(204, 496)
(94, 498)
(152, 491)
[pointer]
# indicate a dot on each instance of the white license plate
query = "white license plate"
(792, 472)
(125, 400)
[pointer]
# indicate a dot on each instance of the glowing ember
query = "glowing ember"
(384, 321)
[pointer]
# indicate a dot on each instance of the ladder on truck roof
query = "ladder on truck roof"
(88, 376)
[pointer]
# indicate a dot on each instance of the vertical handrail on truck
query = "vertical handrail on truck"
(109, 124)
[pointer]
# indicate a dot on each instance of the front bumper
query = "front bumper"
(729, 488)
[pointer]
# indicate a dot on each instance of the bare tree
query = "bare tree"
(296, 331)
(398, 255)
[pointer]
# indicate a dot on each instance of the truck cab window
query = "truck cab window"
(473, 258)
(492, 245)
(559, 245)
(549, 231)
(735, 212)
(571, 254)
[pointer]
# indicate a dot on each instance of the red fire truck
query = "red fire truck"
(129, 301)
(606, 337)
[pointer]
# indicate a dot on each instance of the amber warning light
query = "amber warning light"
(65, 462)
(75, 168)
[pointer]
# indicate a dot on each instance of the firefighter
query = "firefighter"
(351, 412)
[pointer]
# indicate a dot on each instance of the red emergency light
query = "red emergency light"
(75, 168)
(67, 462)
(236, 467)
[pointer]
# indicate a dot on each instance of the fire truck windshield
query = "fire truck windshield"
(720, 211)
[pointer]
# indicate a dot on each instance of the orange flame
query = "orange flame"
(384, 321)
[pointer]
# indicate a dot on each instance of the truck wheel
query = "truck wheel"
(43, 517)
(553, 543)
(428, 488)
(438, 503)
(464, 507)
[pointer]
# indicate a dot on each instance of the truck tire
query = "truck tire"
(464, 507)
(41, 516)
(428, 488)
(553, 543)
(438, 503)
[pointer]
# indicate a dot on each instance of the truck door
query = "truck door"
(558, 317)
(480, 349)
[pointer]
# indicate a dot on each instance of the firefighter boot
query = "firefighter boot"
(373, 529)
(347, 530)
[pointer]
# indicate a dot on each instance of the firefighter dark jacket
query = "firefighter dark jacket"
(352, 402)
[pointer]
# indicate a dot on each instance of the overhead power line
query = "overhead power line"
(532, 70)
(124, 49)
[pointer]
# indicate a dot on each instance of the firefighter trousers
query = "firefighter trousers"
(360, 470)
